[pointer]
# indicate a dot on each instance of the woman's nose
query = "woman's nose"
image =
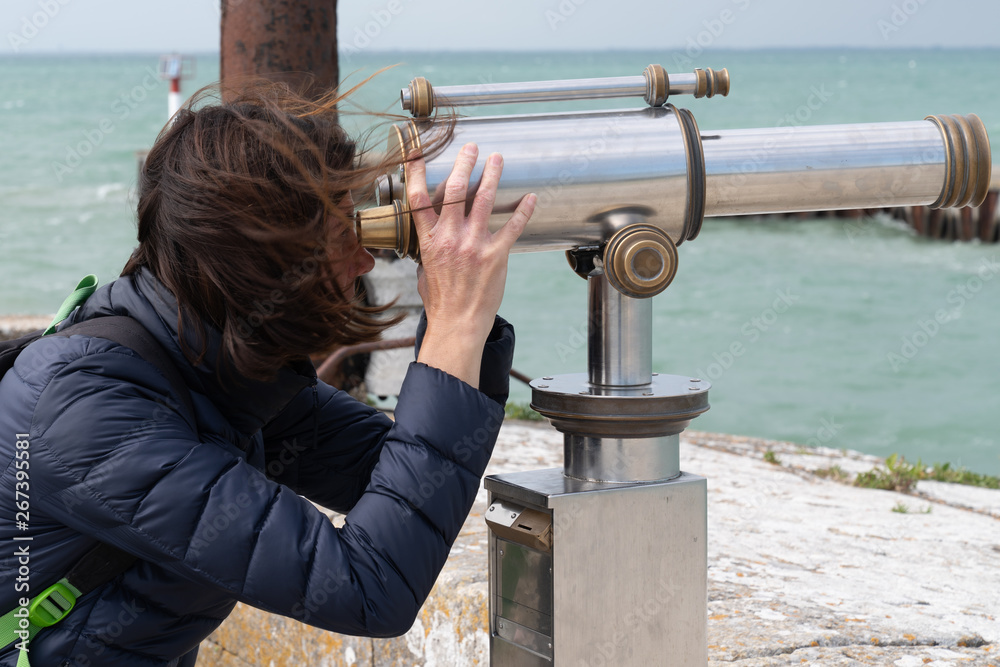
(362, 263)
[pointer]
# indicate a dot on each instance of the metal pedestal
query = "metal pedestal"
(603, 562)
(622, 580)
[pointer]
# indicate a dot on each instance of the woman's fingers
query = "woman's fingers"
(458, 183)
(455, 193)
(416, 194)
(486, 195)
(512, 229)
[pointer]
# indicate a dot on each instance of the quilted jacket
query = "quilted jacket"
(216, 511)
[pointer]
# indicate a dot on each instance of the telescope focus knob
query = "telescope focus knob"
(640, 261)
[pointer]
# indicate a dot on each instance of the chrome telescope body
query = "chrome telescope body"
(607, 556)
(598, 171)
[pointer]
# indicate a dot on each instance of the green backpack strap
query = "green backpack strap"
(94, 569)
(45, 609)
(82, 292)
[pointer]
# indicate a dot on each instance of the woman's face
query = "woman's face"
(350, 260)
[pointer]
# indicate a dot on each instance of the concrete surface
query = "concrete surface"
(802, 570)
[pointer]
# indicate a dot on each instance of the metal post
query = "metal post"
(619, 341)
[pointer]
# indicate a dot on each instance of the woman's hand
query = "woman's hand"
(463, 266)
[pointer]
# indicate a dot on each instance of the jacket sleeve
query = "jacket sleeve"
(498, 357)
(141, 482)
(324, 445)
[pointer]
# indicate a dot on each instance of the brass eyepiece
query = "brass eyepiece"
(388, 227)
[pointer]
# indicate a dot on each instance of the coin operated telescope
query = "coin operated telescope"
(604, 561)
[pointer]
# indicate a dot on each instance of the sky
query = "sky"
(52, 26)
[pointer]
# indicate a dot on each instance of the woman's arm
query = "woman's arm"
(109, 462)
(461, 281)
(325, 445)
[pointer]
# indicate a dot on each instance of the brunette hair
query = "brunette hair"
(239, 216)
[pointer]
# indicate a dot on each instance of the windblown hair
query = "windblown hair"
(241, 217)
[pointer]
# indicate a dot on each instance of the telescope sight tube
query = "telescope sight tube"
(654, 85)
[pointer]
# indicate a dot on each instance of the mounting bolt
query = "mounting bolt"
(695, 380)
(546, 378)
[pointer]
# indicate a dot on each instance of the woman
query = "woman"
(246, 264)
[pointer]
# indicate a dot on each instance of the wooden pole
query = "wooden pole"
(286, 40)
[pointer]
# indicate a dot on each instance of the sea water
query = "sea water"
(845, 333)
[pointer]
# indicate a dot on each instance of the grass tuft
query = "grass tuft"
(522, 411)
(899, 475)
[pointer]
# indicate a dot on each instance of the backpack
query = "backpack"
(103, 562)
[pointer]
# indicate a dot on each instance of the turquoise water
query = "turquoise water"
(884, 342)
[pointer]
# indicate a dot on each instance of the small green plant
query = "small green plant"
(898, 475)
(900, 508)
(927, 510)
(834, 472)
(522, 411)
(772, 458)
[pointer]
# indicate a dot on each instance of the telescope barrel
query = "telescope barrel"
(828, 167)
(588, 168)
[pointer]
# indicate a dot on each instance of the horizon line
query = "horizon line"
(216, 52)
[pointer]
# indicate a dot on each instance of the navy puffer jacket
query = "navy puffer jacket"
(213, 524)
